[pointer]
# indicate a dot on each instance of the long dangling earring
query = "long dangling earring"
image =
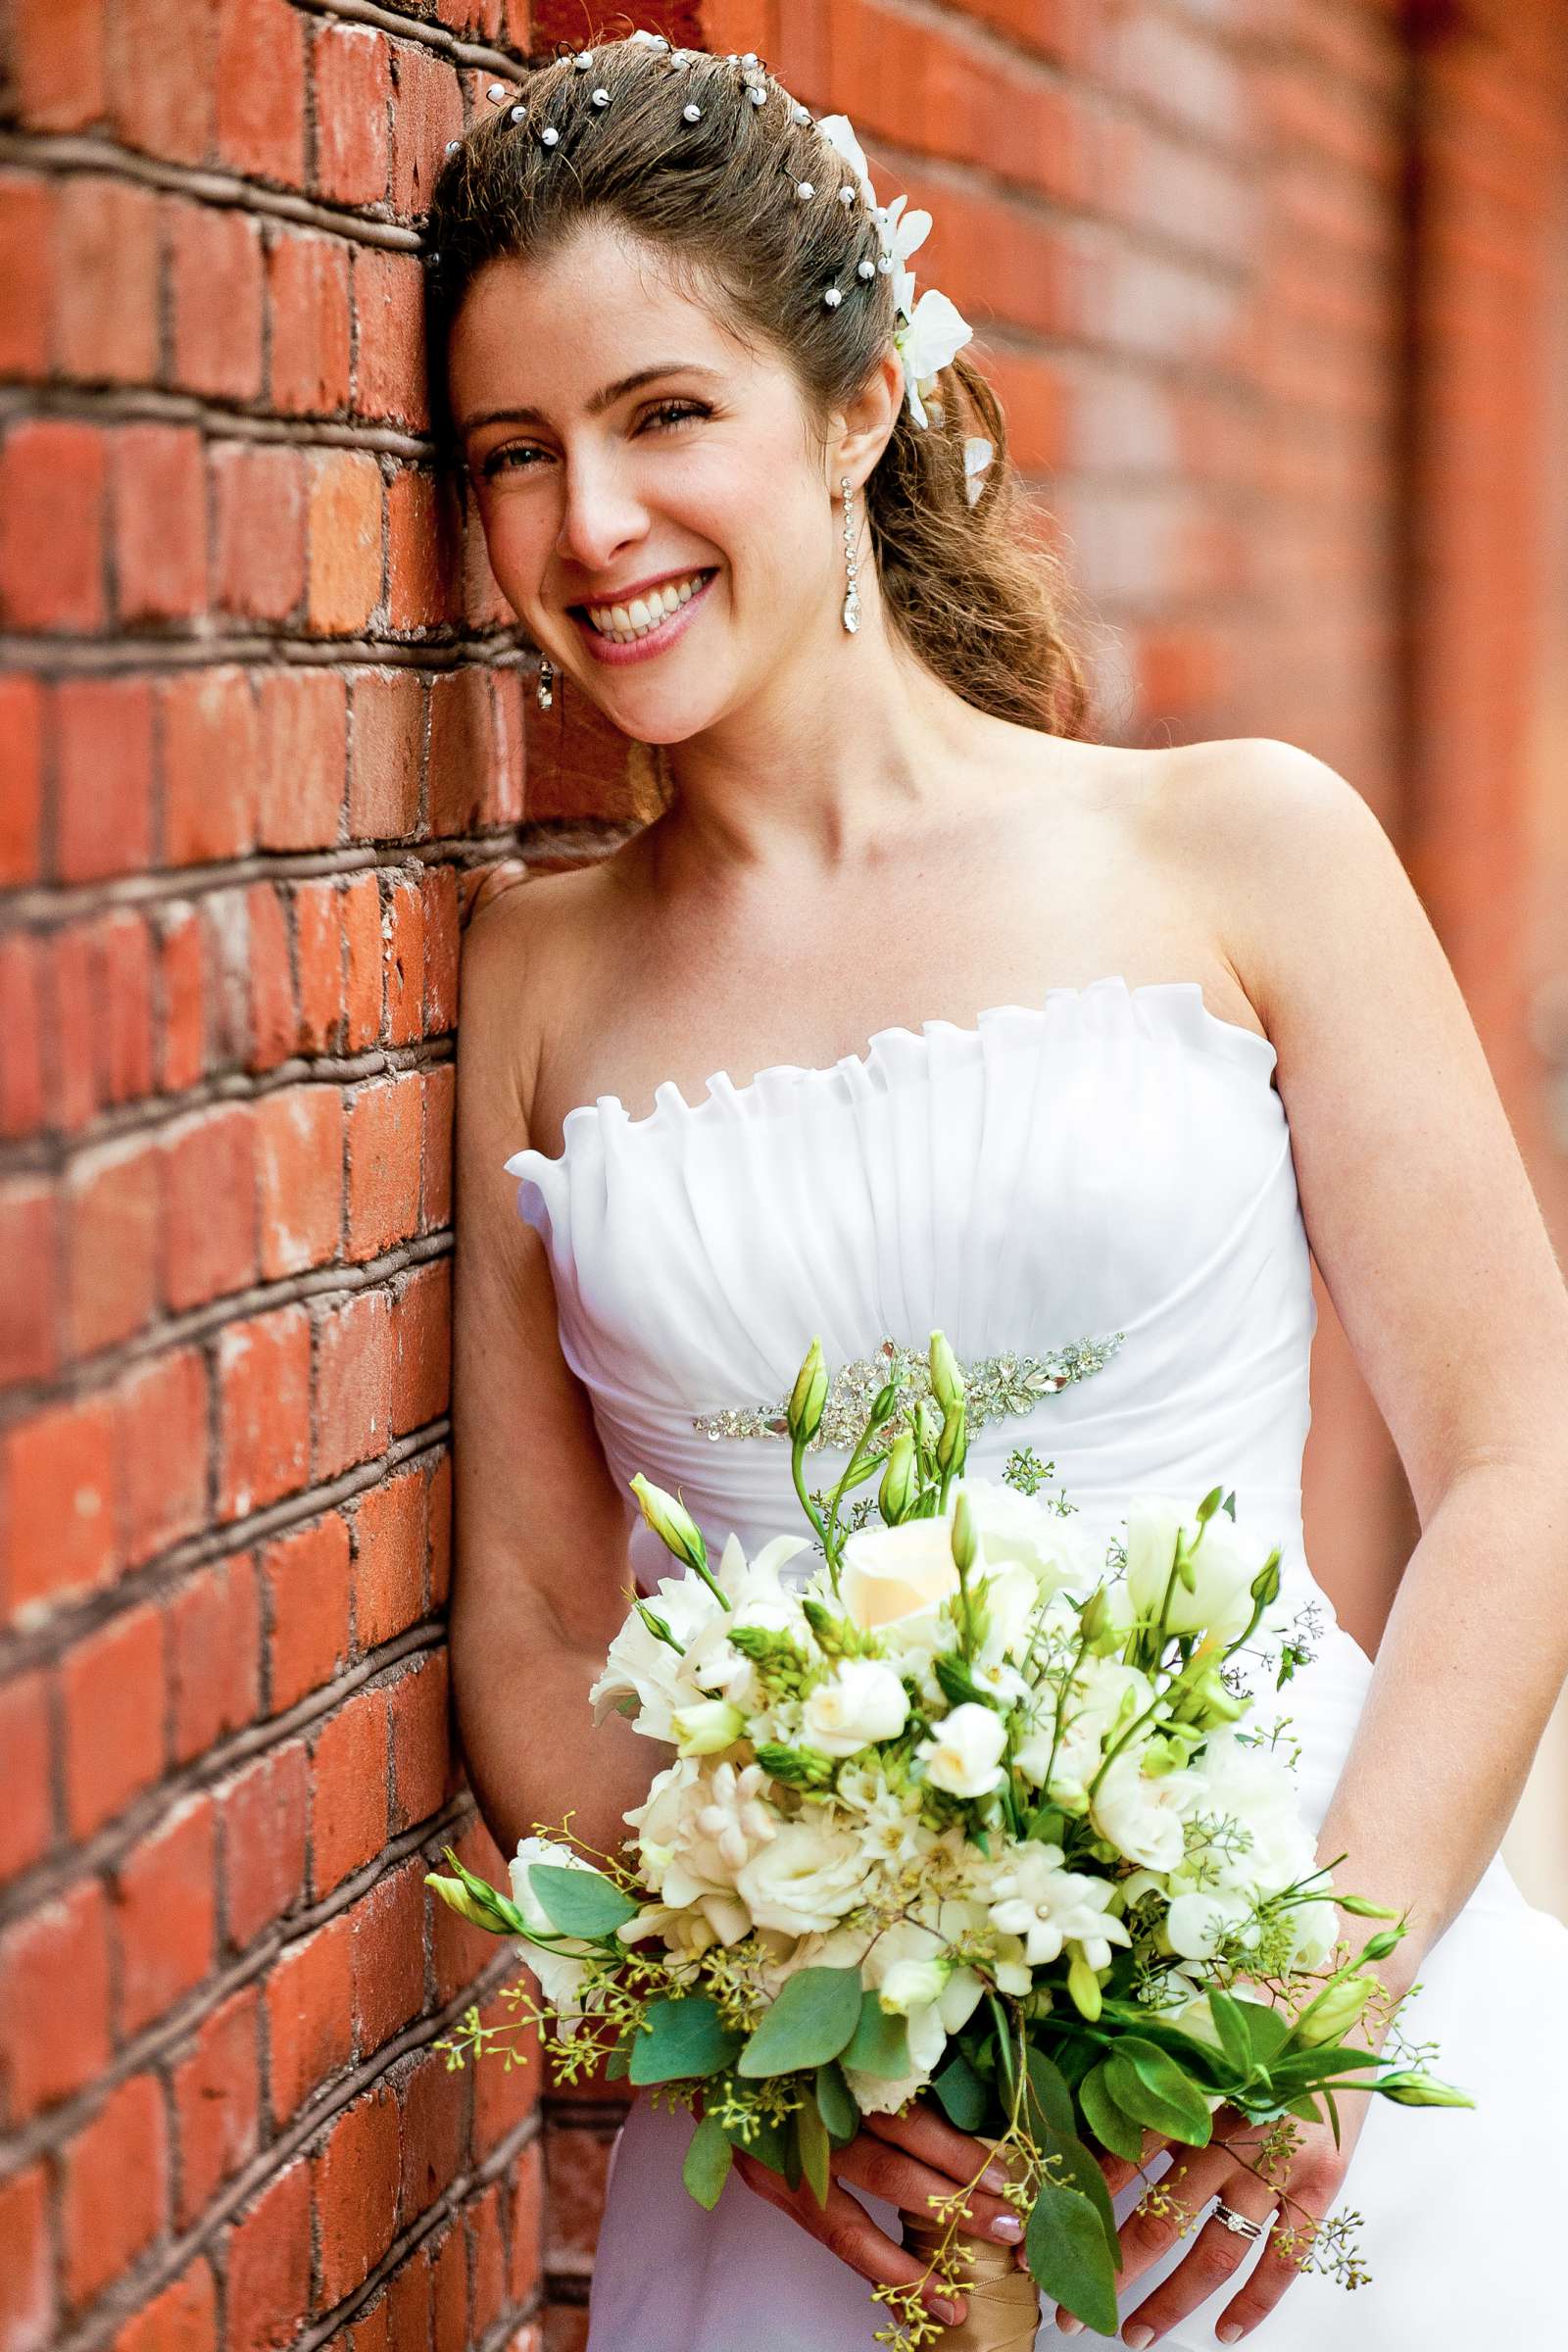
(851, 600)
(547, 682)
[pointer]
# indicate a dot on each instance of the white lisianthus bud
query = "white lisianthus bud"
(809, 1397)
(707, 1726)
(862, 1700)
(1334, 2012)
(889, 1573)
(912, 1984)
(898, 1487)
(963, 1754)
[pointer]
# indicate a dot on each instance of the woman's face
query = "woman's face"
(619, 438)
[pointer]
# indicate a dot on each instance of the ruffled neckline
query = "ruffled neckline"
(899, 1046)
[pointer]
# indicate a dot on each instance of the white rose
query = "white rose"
(1221, 1602)
(888, 1575)
(1198, 1924)
(705, 1725)
(963, 1754)
(1144, 1818)
(699, 1824)
(559, 1970)
(1013, 1528)
(912, 1984)
(862, 1702)
(805, 1878)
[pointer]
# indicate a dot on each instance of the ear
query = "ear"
(859, 431)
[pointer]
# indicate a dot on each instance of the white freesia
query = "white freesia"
(840, 137)
(898, 1576)
(806, 1878)
(964, 1750)
(1223, 1565)
(862, 1702)
(558, 1968)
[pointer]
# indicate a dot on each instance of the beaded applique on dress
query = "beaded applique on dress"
(995, 1386)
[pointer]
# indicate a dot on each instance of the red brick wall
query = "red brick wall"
(1271, 290)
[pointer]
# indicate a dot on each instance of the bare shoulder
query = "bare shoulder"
(521, 950)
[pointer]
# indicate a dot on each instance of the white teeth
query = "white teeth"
(625, 623)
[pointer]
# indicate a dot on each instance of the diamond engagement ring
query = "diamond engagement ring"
(1243, 2225)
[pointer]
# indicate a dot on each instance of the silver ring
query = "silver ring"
(1241, 2223)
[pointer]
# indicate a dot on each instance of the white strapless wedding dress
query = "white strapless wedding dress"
(1113, 1165)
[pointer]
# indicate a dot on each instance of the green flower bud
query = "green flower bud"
(1412, 2090)
(947, 1381)
(1082, 1986)
(1361, 1906)
(707, 1726)
(899, 1487)
(808, 1395)
(964, 1538)
(457, 1897)
(1334, 2012)
(670, 1521)
(952, 1444)
(1267, 1583)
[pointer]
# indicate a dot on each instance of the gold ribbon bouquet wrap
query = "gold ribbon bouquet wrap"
(1003, 2301)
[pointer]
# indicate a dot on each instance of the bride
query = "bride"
(913, 1008)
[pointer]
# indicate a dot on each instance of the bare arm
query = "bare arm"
(1423, 1221)
(540, 1568)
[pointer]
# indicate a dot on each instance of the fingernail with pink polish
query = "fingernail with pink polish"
(946, 2312)
(1007, 2227)
(1231, 2333)
(1137, 2333)
(994, 2179)
(1067, 2324)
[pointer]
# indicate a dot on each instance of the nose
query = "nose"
(601, 514)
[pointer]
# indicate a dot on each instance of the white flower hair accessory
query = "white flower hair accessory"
(932, 330)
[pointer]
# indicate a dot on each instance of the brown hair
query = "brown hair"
(979, 603)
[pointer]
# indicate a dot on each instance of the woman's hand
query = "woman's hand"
(907, 2160)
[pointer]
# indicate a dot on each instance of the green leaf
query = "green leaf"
(619, 2062)
(1110, 2126)
(835, 2104)
(686, 2040)
(964, 2097)
(1048, 2087)
(581, 1902)
(815, 2148)
(812, 2020)
(1230, 2023)
(1086, 2177)
(766, 2144)
(1266, 2027)
(880, 2044)
(707, 2162)
(1148, 2084)
(1068, 2256)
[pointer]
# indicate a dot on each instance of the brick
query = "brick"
(405, 962)
(27, 2275)
(27, 1817)
(118, 955)
(388, 754)
(299, 1152)
(441, 1531)
(486, 2261)
(304, 762)
(390, 369)
(58, 64)
(53, 477)
(353, 94)
(164, 1893)
(449, 2292)
(114, 2188)
(183, 2319)
(527, 2214)
(503, 2095)
(407, 2304)
(435, 1193)
(214, 1655)
(264, 1817)
(57, 1472)
(435, 2133)
(505, 798)
(388, 1949)
(26, 209)
(441, 935)
(182, 1038)
(210, 731)
(354, 1383)
(159, 505)
(110, 1204)
(307, 291)
(216, 2101)
(268, 2266)
(272, 1028)
(349, 1790)
(74, 1015)
(103, 738)
(216, 298)
(264, 1410)
(426, 111)
(462, 750)
(359, 910)
(389, 1543)
(421, 1331)
(419, 593)
(384, 1124)
(310, 2015)
(345, 529)
(355, 2183)
(320, 959)
(208, 1176)
(22, 802)
(160, 1451)
(230, 969)
(169, 113)
(422, 1752)
(261, 91)
(259, 529)
(306, 1579)
(106, 274)
(112, 1692)
(49, 2046)
(29, 1312)
(461, 1952)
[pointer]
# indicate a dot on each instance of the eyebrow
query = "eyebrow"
(598, 401)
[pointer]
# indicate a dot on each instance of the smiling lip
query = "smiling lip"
(645, 648)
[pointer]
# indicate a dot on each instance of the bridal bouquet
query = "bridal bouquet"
(970, 1808)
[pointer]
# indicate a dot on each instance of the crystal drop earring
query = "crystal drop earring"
(547, 682)
(851, 600)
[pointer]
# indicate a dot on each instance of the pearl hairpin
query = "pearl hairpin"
(549, 135)
(692, 112)
(583, 60)
(517, 113)
(832, 298)
(804, 189)
(600, 98)
(496, 92)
